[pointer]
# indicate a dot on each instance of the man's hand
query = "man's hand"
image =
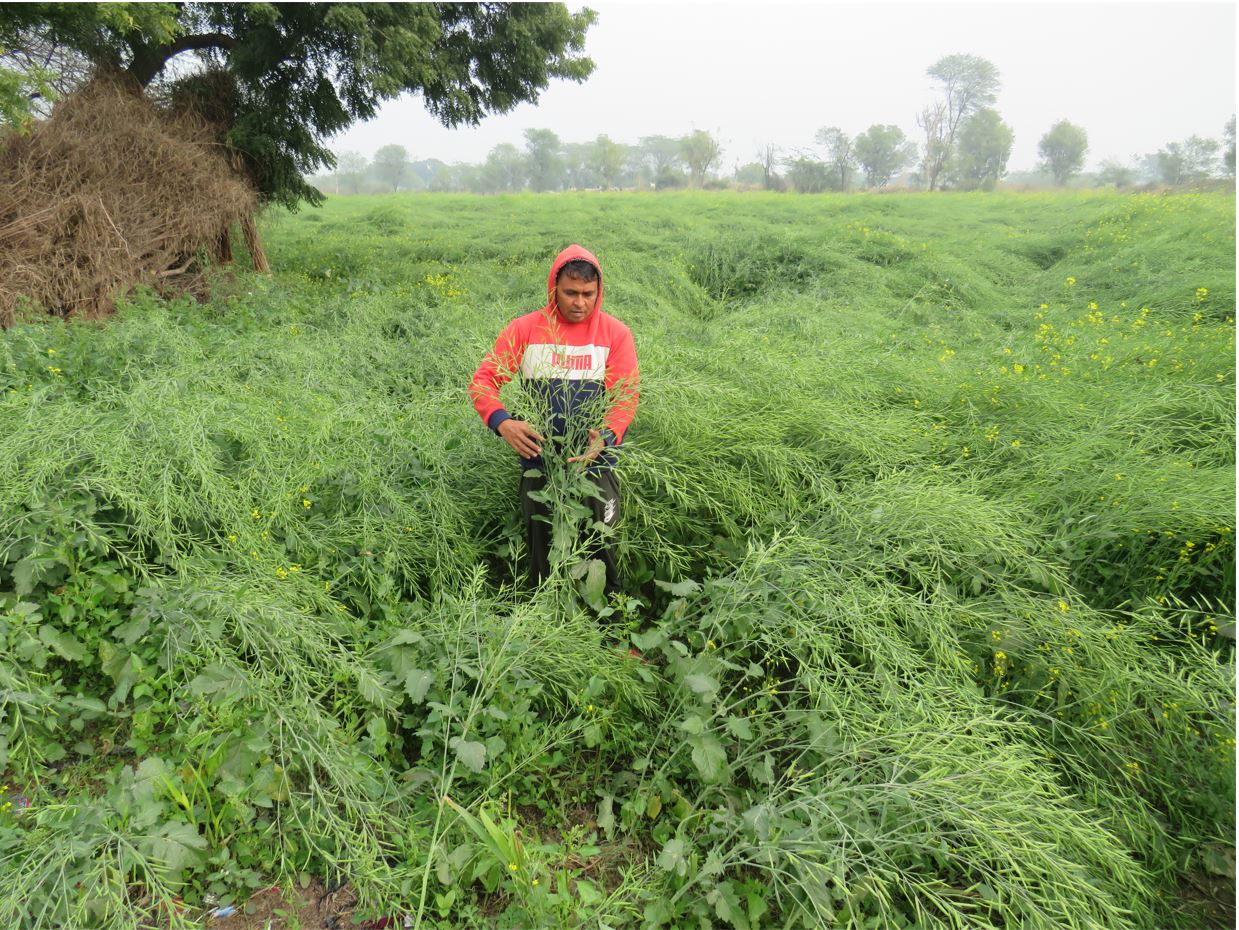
(596, 445)
(521, 437)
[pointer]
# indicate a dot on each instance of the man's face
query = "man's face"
(575, 298)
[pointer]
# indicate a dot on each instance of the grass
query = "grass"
(928, 532)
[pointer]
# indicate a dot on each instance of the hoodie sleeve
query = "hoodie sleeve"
(623, 381)
(496, 370)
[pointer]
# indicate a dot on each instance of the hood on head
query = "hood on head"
(572, 253)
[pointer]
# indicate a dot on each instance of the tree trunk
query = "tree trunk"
(223, 248)
(254, 243)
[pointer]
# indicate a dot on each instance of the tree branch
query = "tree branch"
(148, 61)
(192, 43)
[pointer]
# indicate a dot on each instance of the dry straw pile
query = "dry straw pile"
(108, 194)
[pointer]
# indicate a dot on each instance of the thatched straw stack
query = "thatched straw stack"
(108, 194)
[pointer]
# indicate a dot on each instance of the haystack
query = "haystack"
(110, 193)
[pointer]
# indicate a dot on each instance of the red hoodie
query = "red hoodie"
(567, 364)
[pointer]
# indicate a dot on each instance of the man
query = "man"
(580, 367)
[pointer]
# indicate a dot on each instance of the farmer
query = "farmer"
(580, 366)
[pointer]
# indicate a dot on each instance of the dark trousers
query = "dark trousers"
(538, 532)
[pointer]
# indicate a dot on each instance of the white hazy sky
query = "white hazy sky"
(1134, 75)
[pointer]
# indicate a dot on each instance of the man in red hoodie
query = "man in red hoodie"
(580, 367)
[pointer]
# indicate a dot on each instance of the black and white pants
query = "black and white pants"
(538, 532)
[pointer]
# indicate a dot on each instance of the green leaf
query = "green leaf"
(588, 892)
(701, 684)
(693, 724)
(757, 906)
(739, 727)
(124, 668)
(63, 644)
(592, 735)
(757, 822)
(372, 690)
(25, 576)
(176, 846)
(679, 588)
(672, 858)
(595, 585)
(727, 906)
(650, 639)
(472, 754)
(606, 815)
(1219, 860)
(709, 757)
(130, 632)
(417, 683)
(215, 678)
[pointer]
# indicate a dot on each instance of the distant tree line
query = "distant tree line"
(962, 143)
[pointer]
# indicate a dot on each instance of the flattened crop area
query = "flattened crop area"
(927, 541)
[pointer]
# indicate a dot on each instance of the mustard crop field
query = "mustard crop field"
(928, 543)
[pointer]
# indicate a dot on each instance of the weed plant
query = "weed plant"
(928, 544)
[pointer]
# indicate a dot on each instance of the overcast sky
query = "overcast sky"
(1134, 75)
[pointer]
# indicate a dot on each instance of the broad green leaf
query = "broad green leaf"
(595, 584)
(63, 644)
(176, 846)
(671, 859)
(472, 754)
(372, 690)
(25, 576)
(727, 906)
(757, 821)
(592, 735)
(701, 684)
(417, 683)
(136, 627)
(654, 806)
(693, 724)
(709, 757)
(757, 906)
(215, 678)
(713, 864)
(588, 892)
(649, 640)
(606, 815)
(739, 727)
(679, 588)
(124, 668)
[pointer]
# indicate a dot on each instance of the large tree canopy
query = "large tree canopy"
(295, 74)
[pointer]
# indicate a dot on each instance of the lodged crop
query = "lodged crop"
(928, 537)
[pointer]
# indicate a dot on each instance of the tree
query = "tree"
(576, 173)
(504, 169)
(299, 73)
(751, 175)
(807, 175)
(1062, 151)
(882, 152)
(45, 54)
(984, 147)
(1115, 174)
(391, 164)
(1189, 161)
(840, 156)
(350, 169)
(932, 122)
(1228, 154)
(607, 159)
(661, 153)
(545, 164)
(700, 152)
(767, 157)
(968, 84)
